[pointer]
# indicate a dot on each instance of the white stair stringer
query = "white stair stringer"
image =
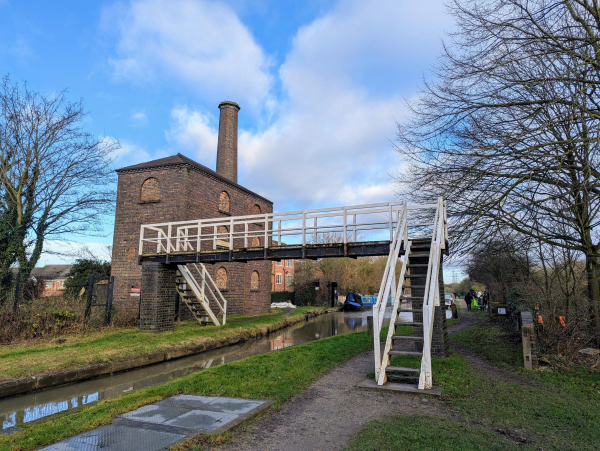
(385, 361)
(431, 299)
(204, 293)
(388, 284)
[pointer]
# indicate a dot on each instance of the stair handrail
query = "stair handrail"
(193, 283)
(206, 276)
(431, 294)
(387, 281)
(385, 361)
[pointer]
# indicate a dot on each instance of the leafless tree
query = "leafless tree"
(54, 177)
(509, 131)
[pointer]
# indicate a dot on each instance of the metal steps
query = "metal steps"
(411, 353)
(412, 323)
(402, 370)
(197, 297)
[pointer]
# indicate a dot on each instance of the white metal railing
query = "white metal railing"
(205, 293)
(358, 223)
(389, 285)
(431, 297)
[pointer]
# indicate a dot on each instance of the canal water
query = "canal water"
(33, 406)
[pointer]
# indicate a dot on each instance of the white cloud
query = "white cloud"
(139, 119)
(343, 85)
(128, 153)
(60, 252)
(191, 131)
(201, 43)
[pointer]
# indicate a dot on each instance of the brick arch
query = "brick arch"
(224, 202)
(221, 278)
(254, 281)
(150, 190)
(256, 209)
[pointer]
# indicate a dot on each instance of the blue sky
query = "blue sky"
(320, 83)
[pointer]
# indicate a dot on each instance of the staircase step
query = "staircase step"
(408, 298)
(400, 369)
(417, 265)
(413, 286)
(418, 255)
(417, 354)
(407, 337)
(412, 323)
(407, 310)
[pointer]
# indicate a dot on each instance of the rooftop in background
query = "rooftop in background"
(178, 160)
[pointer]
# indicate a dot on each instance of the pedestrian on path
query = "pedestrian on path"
(468, 299)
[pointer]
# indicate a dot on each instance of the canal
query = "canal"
(30, 407)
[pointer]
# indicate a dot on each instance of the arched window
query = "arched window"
(255, 241)
(223, 236)
(221, 278)
(224, 203)
(254, 279)
(150, 191)
(256, 209)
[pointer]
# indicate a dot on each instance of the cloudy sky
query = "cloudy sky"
(321, 83)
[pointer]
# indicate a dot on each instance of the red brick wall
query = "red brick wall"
(186, 194)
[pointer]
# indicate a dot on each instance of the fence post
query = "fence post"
(17, 291)
(109, 295)
(88, 306)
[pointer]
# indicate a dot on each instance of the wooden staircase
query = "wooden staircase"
(198, 296)
(419, 262)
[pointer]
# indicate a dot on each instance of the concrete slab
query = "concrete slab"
(158, 426)
(118, 438)
(398, 387)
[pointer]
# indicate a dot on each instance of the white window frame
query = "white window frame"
(289, 263)
(280, 263)
(289, 279)
(278, 279)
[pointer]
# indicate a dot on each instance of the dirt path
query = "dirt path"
(331, 410)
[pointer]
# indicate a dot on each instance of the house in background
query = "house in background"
(53, 277)
(282, 275)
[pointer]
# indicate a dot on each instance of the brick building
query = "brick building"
(177, 188)
(282, 275)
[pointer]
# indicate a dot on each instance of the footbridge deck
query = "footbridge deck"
(351, 231)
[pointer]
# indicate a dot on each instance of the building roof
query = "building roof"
(178, 160)
(48, 271)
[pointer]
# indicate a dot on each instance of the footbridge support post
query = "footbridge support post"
(157, 302)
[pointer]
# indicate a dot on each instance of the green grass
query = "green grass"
(451, 321)
(493, 343)
(424, 433)
(558, 410)
(73, 351)
(275, 375)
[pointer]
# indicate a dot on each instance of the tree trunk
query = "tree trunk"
(594, 290)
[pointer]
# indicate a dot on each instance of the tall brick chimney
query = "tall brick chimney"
(227, 151)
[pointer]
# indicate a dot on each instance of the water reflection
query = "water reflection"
(26, 408)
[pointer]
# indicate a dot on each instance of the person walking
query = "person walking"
(468, 299)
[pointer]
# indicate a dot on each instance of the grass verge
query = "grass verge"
(85, 349)
(551, 410)
(275, 375)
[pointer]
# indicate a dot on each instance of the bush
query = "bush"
(282, 296)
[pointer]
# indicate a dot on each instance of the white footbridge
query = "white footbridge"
(412, 236)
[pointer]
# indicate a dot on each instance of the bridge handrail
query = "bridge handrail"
(177, 233)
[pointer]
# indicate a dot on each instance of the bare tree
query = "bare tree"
(509, 132)
(54, 177)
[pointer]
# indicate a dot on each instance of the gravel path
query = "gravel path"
(329, 412)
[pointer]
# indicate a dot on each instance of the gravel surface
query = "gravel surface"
(329, 412)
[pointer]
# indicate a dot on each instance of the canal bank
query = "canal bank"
(239, 334)
(31, 407)
(273, 376)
